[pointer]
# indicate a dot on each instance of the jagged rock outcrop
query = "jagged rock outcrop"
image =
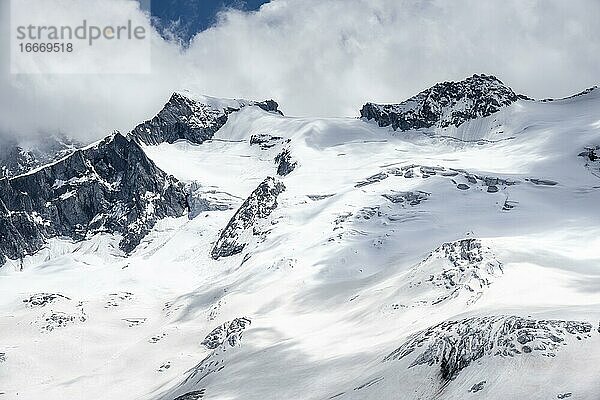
(454, 345)
(191, 117)
(245, 223)
(229, 333)
(220, 342)
(445, 104)
(285, 164)
(193, 395)
(111, 186)
(465, 266)
(591, 155)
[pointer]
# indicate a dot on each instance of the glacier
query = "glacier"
(445, 247)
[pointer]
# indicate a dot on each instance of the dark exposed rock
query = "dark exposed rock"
(133, 322)
(477, 387)
(492, 189)
(58, 320)
(284, 162)
(266, 141)
(164, 366)
(43, 299)
(222, 339)
(117, 299)
(108, 187)
(259, 205)
(317, 197)
(462, 186)
(454, 345)
(229, 333)
(591, 153)
(564, 395)
(194, 118)
(193, 395)
(592, 159)
(445, 104)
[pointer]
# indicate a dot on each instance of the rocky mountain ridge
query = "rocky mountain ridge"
(108, 187)
(443, 105)
(191, 117)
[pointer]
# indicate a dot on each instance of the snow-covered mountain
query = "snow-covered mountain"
(445, 104)
(445, 247)
(192, 117)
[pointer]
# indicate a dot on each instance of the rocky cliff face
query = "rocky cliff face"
(445, 104)
(244, 224)
(108, 187)
(195, 118)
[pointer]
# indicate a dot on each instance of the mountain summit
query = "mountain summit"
(445, 104)
(192, 117)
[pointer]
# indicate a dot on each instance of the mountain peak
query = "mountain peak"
(193, 117)
(444, 104)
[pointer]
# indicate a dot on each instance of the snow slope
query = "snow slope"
(438, 263)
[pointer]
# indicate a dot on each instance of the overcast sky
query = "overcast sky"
(323, 58)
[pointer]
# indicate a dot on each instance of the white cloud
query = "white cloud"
(327, 57)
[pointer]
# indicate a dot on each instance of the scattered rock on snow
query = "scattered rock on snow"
(477, 387)
(43, 299)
